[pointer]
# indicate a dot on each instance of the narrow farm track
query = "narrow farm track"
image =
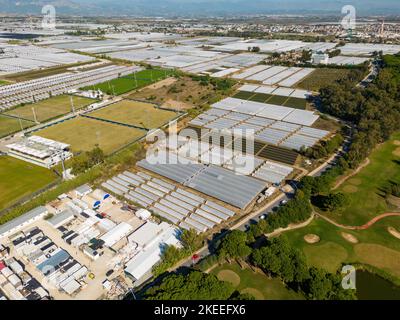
(363, 227)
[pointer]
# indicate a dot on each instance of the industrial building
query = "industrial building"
(151, 238)
(40, 151)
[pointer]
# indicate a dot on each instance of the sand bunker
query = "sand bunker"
(396, 152)
(394, 232)
(311, 238)
(349, 237)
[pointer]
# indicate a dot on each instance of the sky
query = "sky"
(204, 7)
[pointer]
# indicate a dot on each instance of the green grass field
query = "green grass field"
(50, 108)
(10, 125)
(3, 82)
(136, 113)
(83, 134)
(322, 77)
(19, 179)
(256, 284)
(130, 82)
(375, 247)
(365, 189)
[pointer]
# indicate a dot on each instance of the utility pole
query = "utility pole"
(134, 75)
(72, 104)
(34, 115)
(20, 123)
(64, 174)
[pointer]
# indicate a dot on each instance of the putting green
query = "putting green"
(229, 276)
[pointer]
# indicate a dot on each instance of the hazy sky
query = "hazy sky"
(206, 7)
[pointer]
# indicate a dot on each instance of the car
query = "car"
(263, 217)
(283, 202)
(109, 273)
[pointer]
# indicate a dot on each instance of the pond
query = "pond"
(374, 287)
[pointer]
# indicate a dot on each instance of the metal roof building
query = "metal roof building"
(61, 218)
(157, 237)
(225, 185)
(18, 223)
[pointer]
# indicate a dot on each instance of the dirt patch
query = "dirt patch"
(396, 142)
(311, 238)
(394, 232)
(176, 105)
(349, 237)
(395, 201)
(350, 189)
(379, 256)
(184, 89)
(229, 276)
(396, 152)
(254, 292)
(355, 181)
(163, 83)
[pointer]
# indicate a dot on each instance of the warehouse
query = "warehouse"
(151, 238)
(40, 151)
(20, 222)
(116, 234)
(62, 218)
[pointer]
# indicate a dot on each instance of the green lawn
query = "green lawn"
(10, 125)
(83, 134)
(3, 82)
(376, 246)
(135, 113)
(259, 285)
(365, 189)
(50, 108)
(131, 82)
(19, 179)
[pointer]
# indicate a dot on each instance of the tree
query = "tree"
(233, 245)
(333, 201)
(194, 286)
(191, 240)
(318, 286)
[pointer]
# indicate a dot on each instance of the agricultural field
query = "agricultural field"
(322, 77)
(83, 134)
(19, 179)
(35, 74)
(132, 82)
(255, 284)
(179, 93)
(9, 125)
(139, 114)
(291, 102)
(50, 108)
(374, 246)
(366, 188)
(279, 154)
